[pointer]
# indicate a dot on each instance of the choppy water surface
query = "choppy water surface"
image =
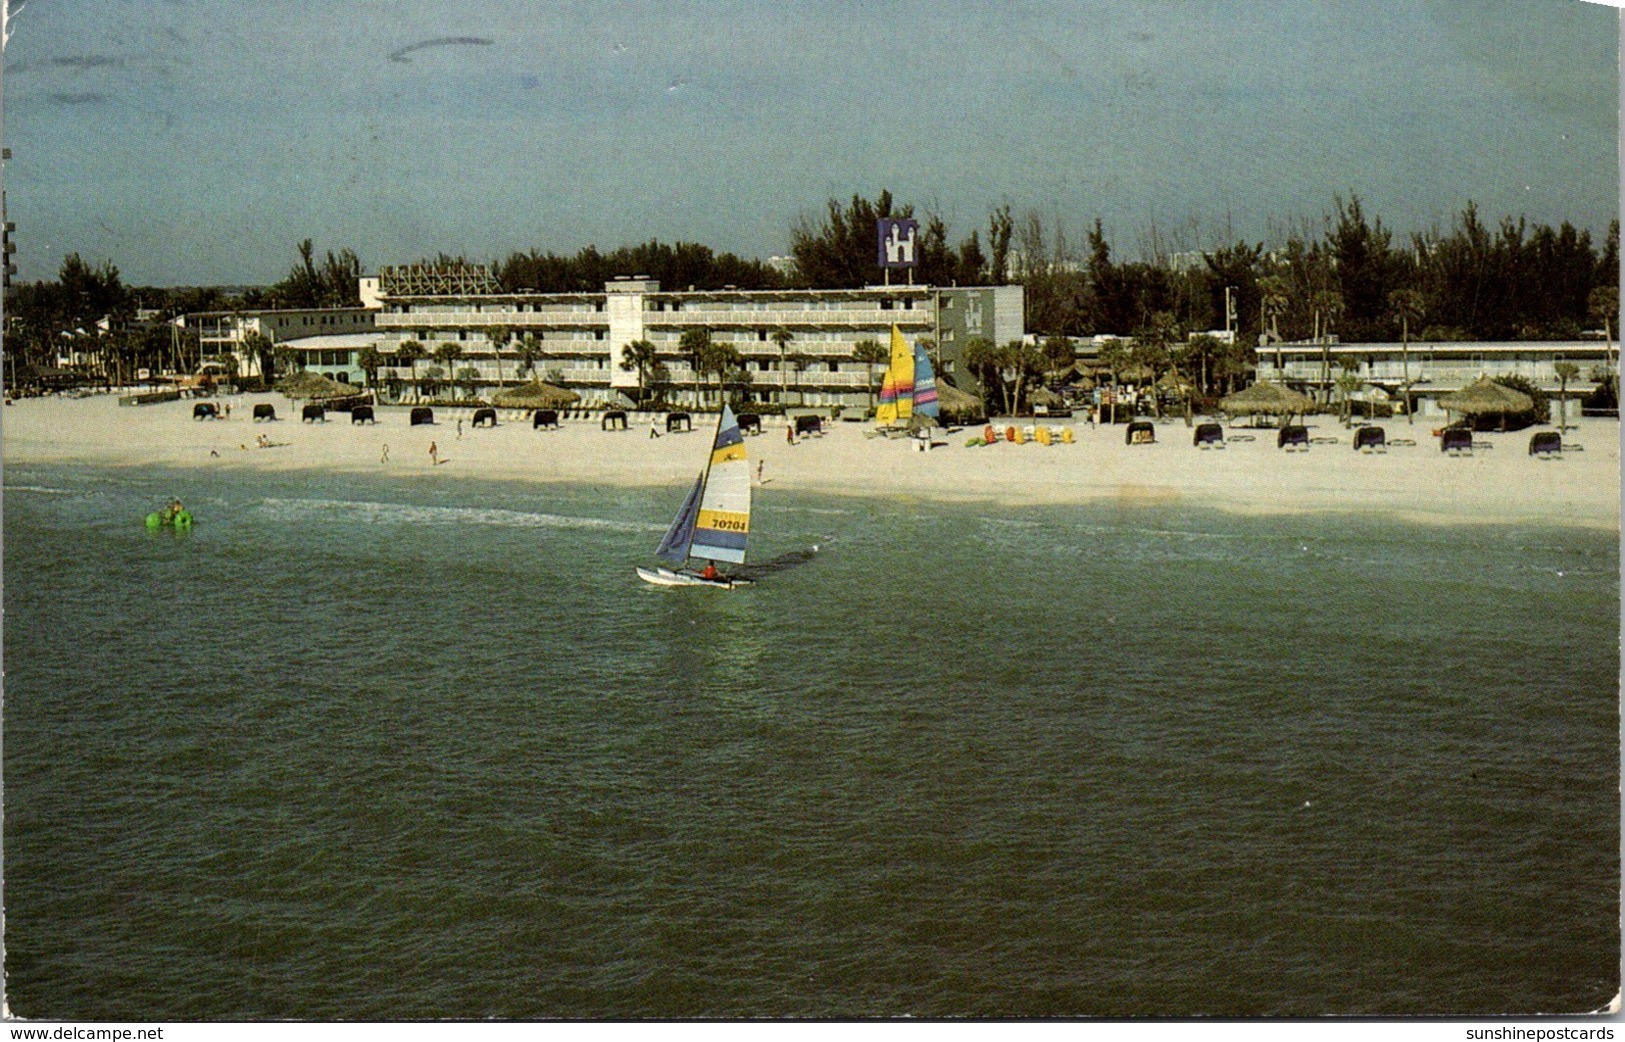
(366, 749)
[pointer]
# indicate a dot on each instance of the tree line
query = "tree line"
(1346, 275)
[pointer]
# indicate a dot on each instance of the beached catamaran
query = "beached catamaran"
(909, 387)
(714, 521)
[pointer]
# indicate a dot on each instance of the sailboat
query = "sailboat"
(714, 521)
(909, 387)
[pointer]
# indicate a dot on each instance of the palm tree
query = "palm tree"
(369, 360)
(1566, 371)
(1116, 356)
(639, 355)
(1603, 303)
(695, 345)
(1348, 382)
(500, 337)
(981, 361)
(725, 361)
(410, 351)
(447, 355)
(1408, 304)
(799, 361)
(1328, 304)
(871, 353)
(1274, 299)
(528, 353)
(781, 337)
(260, 348)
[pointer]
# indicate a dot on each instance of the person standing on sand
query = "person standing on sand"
(434, 454)
(385, 457)
(790, 432)
(459, 428)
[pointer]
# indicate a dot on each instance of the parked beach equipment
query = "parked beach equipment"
(1546, 444)
(1370, 439)
(1209, 435)
(1140, 432)
(682, 421)
(1293, 437)
(314, 414)
(421, 414)
(1456, 441)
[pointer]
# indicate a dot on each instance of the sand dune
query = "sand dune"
(1498, 483)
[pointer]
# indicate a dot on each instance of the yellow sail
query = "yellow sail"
(897, 386)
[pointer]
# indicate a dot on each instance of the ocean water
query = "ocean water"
(368, 748)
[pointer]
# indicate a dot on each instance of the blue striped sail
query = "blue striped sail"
(674, 545)
(925, 384)
(722, 520)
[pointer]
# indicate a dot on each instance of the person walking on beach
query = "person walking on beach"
(434, 454)
(654, 429)
(459, 428)
(385, 457)
(790, 432)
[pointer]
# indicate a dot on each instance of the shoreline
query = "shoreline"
(1499, 484)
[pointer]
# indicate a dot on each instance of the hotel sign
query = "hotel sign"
(897, 236)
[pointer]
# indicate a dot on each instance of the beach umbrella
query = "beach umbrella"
(952, 402)
(305, 384)
(1265, 397)
(1486, 396)
(535, 395)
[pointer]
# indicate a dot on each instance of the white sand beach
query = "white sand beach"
(1498, 483)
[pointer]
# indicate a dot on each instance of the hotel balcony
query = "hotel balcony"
(869, 318)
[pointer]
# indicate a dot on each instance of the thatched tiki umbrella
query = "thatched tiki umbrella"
(1484, 396)
(314, 386)
(1264, 397)
(955, 404)
(1045, 397)
(535, 395)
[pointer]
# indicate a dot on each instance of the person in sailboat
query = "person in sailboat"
(709, 572)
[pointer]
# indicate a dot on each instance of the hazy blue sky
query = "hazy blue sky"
(197, 142)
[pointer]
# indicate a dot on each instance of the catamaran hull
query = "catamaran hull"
(667, 577)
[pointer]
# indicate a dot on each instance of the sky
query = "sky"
(197, 142)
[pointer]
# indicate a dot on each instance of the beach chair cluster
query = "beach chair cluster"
(1028, 434)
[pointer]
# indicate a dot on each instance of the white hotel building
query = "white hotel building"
(1435, 369)
(579, 337)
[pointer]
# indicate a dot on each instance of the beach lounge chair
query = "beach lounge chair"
(361, 414)
(486, 417)
(421, 414)
(1370, 439)
(544, 418)
(314, 414)
(1293, 437)
(204, 411)
(264, 411)
(1209, 435)
(679, 421)
(1140, 432)
(1546, 444)
(1456, 441)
